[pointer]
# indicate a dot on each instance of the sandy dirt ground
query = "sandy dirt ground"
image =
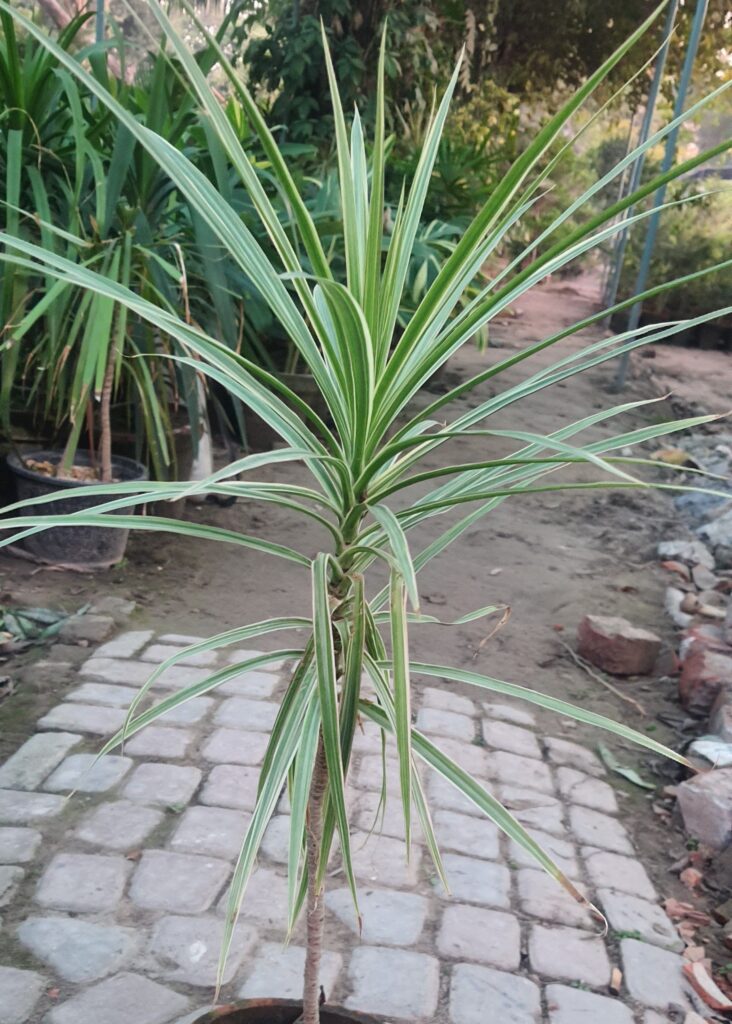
(551, 557)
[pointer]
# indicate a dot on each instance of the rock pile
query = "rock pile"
(699, 603)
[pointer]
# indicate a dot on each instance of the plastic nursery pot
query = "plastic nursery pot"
(278, 1011)
(88, 546)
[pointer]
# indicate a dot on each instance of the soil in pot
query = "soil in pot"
(278, 1011)
(88, 546)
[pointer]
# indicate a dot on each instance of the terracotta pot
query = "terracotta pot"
(278, 1011)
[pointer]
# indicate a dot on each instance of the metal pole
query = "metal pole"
(99, 21)
(668, 158)
(611, 292)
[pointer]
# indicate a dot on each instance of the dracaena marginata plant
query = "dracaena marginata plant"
(369, 453)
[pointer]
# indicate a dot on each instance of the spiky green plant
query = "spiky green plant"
(368, 453)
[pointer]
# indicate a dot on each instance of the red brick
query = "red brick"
(704, 674)
(617, 646)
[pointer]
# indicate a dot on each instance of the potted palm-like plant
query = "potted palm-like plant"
(371, 453)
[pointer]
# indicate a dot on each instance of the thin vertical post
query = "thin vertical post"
(668, 158)
(99, 22)
(611, 291)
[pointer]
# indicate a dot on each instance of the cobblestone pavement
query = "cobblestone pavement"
(113, 901)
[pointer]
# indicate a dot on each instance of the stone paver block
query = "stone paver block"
(369, 816)
(446, 723)
(573, 1006)
(652, 975)
(265, 899)
(189, 713)
(100, 721)
(278, 970)
(239, 655)
(84, 773)
(476, 881)
(382, 860)
(276, 839)
(121, 1000)
(480, 994)
(534, 810)
(560, 851)
(241, 713)
(579, 788)
(235, 746)
(370, 773)
(569, 954)
(125, 645)
(443, 794)
(30, 764)
(159, 741)
(542, 896)
(211, 831)
(393, 982)
(595, 829)
(21, 808)
(135, 673)
(611, 871)
(188, 948)
(510, 713)
(19, 993)
(163, 784)
(103, 693)
(180, 639)
(473, 933)
(118, 607)
(469, 756)
(83, 882)
(504, 736)
(119, 825)
(466, 834)
(629, 914)
(10, 879)
(573, 755)
(77, 950)
(255, 684)
(514, 770)
(91, 628)
(447, 700)
(161, 652)
(230, 785)
(177, 882)
(390, 918)
(18, 845)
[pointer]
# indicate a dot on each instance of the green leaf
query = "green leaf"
(627, 773)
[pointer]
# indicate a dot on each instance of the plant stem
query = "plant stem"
(105, 441)
(315, 913)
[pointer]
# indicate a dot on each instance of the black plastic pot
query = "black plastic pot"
(87, 546)
(278, 1011)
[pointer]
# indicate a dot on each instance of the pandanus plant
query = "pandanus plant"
(373, 474)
